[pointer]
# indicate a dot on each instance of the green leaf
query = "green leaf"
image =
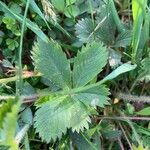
(88, 63)
(22, 133)
(144, 112)
(31, 25)
(59, 5)
(106, 28)
(137, 8)
(4, 109)
(2, 147)
(123, 39)
(82, 142)
(145, 65)
(26, 116)
(97, 96)
(50, 60)
(120, 70)
(55, 116)
(112, 135)
(69, 2)
(37, 10)
(139, 147)
(144, 72)
(16, 8)
(7, 64)
(12, 44)
(103, 29)
(72, 11)
(7, 133)
(84, 28)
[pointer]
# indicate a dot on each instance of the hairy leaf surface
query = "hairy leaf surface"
(103, 29)
(97, 96)
(84, 28)
(50, 60)
(54, 117)
(88, 63)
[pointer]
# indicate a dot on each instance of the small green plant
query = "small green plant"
(70, 110)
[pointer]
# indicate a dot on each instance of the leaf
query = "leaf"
(2, 147)
(103, 29)
(12, 44)
(16, 8)
(82, 142)
(139, 147)
(144, 38)
(21, 134)
(106, 29)
(69, 2)
(71, 11)
(120, 70)
(26, 116)
(59, 5)
(84, 28)
(145, 65)
(31, 25)
(144, 72)
(7, 133)
(50, 60)
(146, 140)
(88, 63)
(114, 58)
(97, 96)
(137, 8)
(4, 109)
(123, 39)
(144, 112)
(112, 135)
(7, 64)
(38, 11)
(54, 117)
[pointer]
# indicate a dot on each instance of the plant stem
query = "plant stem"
(120, 143)
(124, 133)
(133, 98)
(24, 76)
(124, 118)
(19, 69)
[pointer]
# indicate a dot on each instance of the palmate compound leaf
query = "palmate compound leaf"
(97, 96)
(50, 60)
(54, 117)
(88, 63)
(56, 114)
(103, 29)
